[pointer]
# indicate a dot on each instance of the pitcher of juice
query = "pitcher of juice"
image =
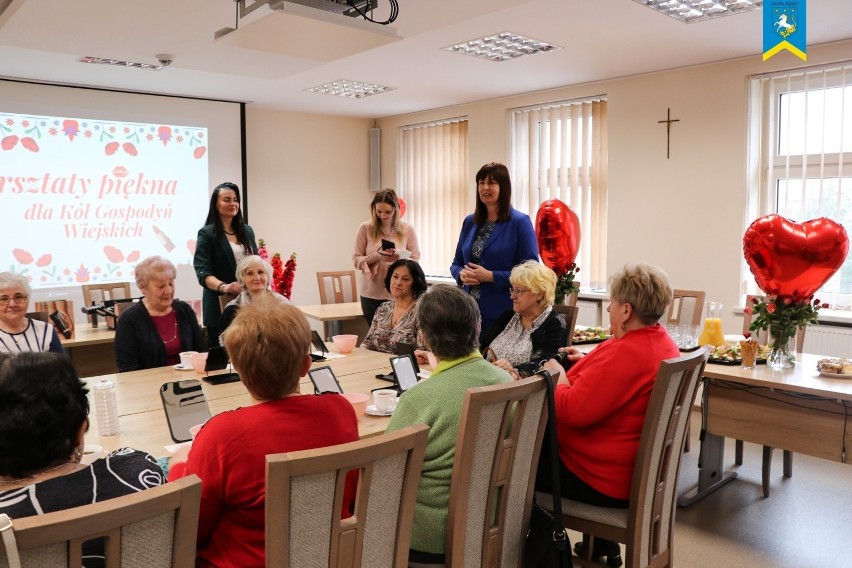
(712, 332)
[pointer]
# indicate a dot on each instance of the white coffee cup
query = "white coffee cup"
(186, 359)
(384, 400)
(403, 254)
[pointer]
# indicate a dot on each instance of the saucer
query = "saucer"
(180, 367)
(373, 411)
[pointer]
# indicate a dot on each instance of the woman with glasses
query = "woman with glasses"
(18, 333)
(531, 331)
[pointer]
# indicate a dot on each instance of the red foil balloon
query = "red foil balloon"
(794, 259)
(402, 206)
(557, 230)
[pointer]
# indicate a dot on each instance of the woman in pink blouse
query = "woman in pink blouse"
(371, 259)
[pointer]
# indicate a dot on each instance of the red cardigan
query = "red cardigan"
(228, 454)
(600, 415)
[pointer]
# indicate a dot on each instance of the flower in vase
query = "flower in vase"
(566, 284)
(783, 316)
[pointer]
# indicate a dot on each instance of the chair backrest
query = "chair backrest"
(570, 314)
(686, 307)
(762, 336)
(155, 527)
(98, 293)
(39, 316)
(655, 473)
(337, 287)
(304, 497)
(499, 441)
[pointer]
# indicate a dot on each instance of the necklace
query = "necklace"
(33, 476)
(170, 310)
(227, 232)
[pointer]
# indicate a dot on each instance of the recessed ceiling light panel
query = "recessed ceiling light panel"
(119, 63)
(351, 89)
(501, 47)
(690, 11)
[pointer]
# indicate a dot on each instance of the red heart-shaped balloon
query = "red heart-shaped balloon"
(402, 206)
(794, 259)
(557, 230)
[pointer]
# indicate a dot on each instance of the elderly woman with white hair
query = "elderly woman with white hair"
(254, 274)
(153, 332)
(18, 333)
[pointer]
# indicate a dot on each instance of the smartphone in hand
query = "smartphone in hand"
(387, 245)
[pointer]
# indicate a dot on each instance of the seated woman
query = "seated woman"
(532, 331)
(255, 275)
(395, 320)
(601, 402)
(153, 332)
(449, 323)
(268, 343)
(19, 333)
(43, 417)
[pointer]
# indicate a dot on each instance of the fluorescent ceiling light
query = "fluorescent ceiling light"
(501, 47)
(690, 11)
(351, 89)
(119, 63)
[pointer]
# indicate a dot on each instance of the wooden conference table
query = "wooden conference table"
(91, 349)
(143, 423)
(796, 409)
(346, 317)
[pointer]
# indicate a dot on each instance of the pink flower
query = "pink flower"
(747, 310)
(825, 306)
(747, 334)
(770, 308)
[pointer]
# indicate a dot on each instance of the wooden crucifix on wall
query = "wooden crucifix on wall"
(668, 123)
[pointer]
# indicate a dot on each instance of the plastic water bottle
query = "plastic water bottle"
(106, 408)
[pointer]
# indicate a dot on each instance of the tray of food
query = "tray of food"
(835, 368)
(730, 355)
(590, 335)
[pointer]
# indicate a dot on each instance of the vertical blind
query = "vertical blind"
(801, 132)
(559, 151)
(434, 169)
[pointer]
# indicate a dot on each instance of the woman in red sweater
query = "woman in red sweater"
(268, 343)
(601, 401)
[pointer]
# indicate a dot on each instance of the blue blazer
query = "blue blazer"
(511, 243)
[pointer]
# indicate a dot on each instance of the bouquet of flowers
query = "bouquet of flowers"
(783, 316)
(565, 283)
(283, 274)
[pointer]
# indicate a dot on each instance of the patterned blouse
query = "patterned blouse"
(384, 337)
(476, 250)
(514, 343)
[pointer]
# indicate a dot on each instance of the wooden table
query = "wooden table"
(91, 350)
(795, 409)
(346, 317)
(143, 423)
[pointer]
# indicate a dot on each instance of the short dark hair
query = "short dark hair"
(237, 225)
(43, 404)
(419, 285)
(449, 321)
(499, 173)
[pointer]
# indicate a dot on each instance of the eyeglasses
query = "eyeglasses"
(17, 298)
(517, 291)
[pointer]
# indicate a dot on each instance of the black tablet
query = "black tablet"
(217, 359)
(318, 348)
(185, 406)
(403, 368)
(324, 380)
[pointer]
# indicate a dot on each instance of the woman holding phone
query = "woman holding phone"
(378, 244)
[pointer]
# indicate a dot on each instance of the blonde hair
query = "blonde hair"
(537, 277)
(645, 287)
(151, 267)
(389, 197)
(268, 342)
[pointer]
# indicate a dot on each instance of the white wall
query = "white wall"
(685, 214)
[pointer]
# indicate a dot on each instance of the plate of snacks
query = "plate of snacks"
(730, 355)
(590, 335)
(835, 368)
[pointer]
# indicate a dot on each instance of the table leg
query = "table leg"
(711, 474)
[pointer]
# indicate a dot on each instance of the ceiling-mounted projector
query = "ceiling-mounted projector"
(335, 6)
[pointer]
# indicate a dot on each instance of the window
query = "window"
(559, 151)
(801, 156)
(433, 172)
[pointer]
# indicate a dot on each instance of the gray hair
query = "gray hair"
(248, 262)
(10, 279)
(645, 287)
(151, 267)
(449, 321)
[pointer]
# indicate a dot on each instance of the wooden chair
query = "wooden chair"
(647, 527)
(336, 288)
(39, 316)
(686, 307)
(500, 435)
(570, 314)
(763, 337)
(155, 527)
(304, 497)
(97, 293)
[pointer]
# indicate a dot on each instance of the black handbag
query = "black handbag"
(547, 542)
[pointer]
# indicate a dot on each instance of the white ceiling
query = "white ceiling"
(43, 40)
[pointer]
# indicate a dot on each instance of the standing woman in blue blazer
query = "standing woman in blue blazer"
(222, 242)
(493, 239)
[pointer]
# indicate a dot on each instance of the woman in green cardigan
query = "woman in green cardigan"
(222, 242)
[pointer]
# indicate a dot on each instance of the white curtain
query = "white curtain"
(559, 151)
(434, 170)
